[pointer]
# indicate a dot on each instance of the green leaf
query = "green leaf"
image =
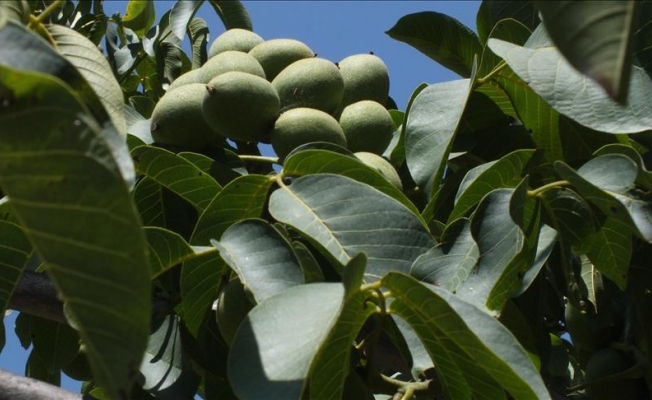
(610, 250)
(440, 37)
(167, 249)
(331, 364)
(323, 161)
(15, 10)
(140, 16)
(459, 336)
(170, 62)
(176, 174)
(37, 369)
(243, 198)
(491, 13)
(92, 65)
(54, 344)
(15, 252)
(397, 155)
(232, 13)
(180, 16)
(569, 214)
(21, 49)
(595, 38)
(345, 217)
(198, 32)
(504, 173)
(430, 130)
(449, 263)
(572, 94)
(271, 360)
(168, 373)
(227, 167)
(262, 258)
(500, 242)
(62, 190)
(608, 181)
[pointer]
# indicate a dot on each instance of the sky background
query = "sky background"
(333, 30)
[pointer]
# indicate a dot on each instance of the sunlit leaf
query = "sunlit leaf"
(491, 13)
(140, 16)
(180, 16)
(345, 217)
(167, 249)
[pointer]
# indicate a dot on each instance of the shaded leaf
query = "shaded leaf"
(92, 65)
(430, 130)
(273, 360)
(311, 271)
(449, 263)
(610, 250)
(15, 252)
(397, 155)
(577, 97)
(504, 173)
(176, 174)
(493, 12)
(166, 370)
(37, 369)
(345, 217)
(458, 336)
(322, 161)
(167, 249)
(232, 13)
(569, 214)
(243, 198)
(440, 37)
(103, 274)
(54, 344)
(180, 16)
(595, 38)
(262, 258)
(198, 32)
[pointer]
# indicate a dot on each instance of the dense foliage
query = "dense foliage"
(502, 252)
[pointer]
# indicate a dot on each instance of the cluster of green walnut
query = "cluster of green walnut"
(281, 93)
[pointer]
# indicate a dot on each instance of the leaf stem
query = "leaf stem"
(495, 71)
(261, 159)
(538, 192)
(407, 388)
(49, 10)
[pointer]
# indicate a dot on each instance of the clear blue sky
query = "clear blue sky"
(334, 30)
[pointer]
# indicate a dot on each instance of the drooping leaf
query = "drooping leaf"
(311, 270)
(92, 65)
(54, 343)
(504, 173)
(167, 249)
(243, 198)
(572, 94)
(176, 174)
(466, 342)
(166, 369)
(331, 364)
(62, 190)
(595, 38)
(440, 37)
(15, 252)
(344, 217)
(198, 32)
(170, 63)
(449, 263)
(397, 154)
(262, 258)
(323, 161)
(180, 16)
(232, 13)
(493, 12)
(269, 359)
(430, 129)
(140, 16)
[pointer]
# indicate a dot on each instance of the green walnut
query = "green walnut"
(304, 125)
(367, 126)
(241, 106)
(193, 76)
(365, 78)
(382, 166)
(233, 305)
(178, 119)
(276, 54)
(607, 362)
(310, 82)
(228, 61)
(235, 39)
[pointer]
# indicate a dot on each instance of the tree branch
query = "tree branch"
(15, 387)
